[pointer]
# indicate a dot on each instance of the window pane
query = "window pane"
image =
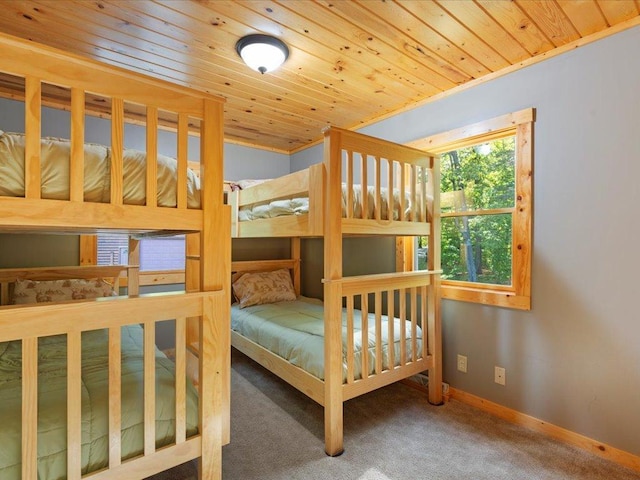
(113, 249)
(162, 253)
(479, 177)
(477, 249)
(156, 253)
(422, 253)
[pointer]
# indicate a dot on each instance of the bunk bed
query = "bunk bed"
(355, 352)
(41, 76)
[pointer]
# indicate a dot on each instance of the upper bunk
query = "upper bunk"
(50, 185)
(364, 185)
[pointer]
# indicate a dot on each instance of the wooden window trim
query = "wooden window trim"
(88, 250)
(518, 294)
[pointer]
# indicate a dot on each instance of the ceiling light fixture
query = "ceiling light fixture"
(262, 52)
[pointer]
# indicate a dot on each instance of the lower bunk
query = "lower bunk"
(85, 391)
(385, 329)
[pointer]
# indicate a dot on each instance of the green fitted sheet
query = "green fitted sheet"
(295, 331)
(52, 391)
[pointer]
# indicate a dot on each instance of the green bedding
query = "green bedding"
(295, 331)
(52, 391)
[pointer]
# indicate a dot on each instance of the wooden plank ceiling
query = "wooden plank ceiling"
(351, 62)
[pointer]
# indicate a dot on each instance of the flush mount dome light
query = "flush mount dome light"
(262, 52)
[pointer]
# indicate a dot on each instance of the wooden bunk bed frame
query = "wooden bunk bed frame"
(202, 313)
(413, 296)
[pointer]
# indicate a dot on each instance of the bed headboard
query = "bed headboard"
(8, 276)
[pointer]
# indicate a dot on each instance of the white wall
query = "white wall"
(574, 359)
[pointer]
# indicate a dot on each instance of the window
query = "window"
(485, 210)
(162, 259)
(156, 253)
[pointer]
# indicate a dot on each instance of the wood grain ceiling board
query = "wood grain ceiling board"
(352, 62)
(585, 15)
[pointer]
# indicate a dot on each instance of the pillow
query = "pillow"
(34, 291)
(264, 287)
(244, 184)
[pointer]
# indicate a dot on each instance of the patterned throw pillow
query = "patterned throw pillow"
(264, 287)
(34, 291)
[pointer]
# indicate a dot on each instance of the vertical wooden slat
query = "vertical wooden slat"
(403, 202)
(378, 308)
(414, 323)
(364, 305)
(390, 190)
(30, 408)
(74, 406)
(133, 272)
(4, 293)
(117, 145)
(430, 200)
(403, 325)
(349, 213)
(378, 196)
(317, 187)
(296, 255)
(149, 387)
(115, 393)
(232, 201)
(183, 145)
(192, 282)
(181, 380)
(423, 189)
(414, 191)
(33, 124)
(390, 325)
(365, 186)
(350, 334)
(423, 318)
(76, 165)
(152, 157)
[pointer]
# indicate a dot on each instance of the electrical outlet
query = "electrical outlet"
(500, 376)
(462, 363)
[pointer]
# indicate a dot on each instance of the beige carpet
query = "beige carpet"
(390, 434)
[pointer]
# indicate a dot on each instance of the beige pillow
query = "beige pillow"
(264, 287)
(244, 184)
(34, 291)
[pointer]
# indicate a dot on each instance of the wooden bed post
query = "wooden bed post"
(434, 325)
(333, 407)
(215, 272)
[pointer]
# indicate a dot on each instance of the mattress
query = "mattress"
(299, 206)
(52, 390)
(295, 331)
(54, 161)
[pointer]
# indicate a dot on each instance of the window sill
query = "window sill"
(484, 296)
